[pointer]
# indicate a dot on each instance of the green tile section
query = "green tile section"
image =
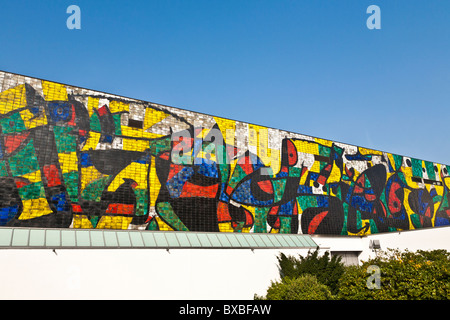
(53, 238)
(20, 238)
(68, 238)
(91, 238)
(83, 238)
(110, 239)
(37, 238)
(5, 237)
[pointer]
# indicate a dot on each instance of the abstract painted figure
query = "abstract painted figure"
(77, 158)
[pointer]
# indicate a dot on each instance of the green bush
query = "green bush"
(305, 287)
(421, 275)
(327, 270)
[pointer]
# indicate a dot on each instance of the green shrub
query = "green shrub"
(353, 286)
(421, 275)
(305, 287)
(327, 270)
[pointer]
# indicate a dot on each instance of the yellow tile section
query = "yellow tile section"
(259, 136)
(335, 175)
(439, 189)
(92, 141)
(253, 134)
(135, 171)
(408, 209)
(54, 91)
(365, 151)
(315, 167)
(233, 165)
(225, 227)
(68, 162)
(299, 208)
(154, 184)
(118, 106)
(114, 222)
(13, 99)
(203, 133)
(89, 174)
(407, 172)
(306, 146)
(324, 142)
(363, 231)
(92, 104)
(303, 178)
(81, 221)
(162, 225)
(152, 117)
(228, 129)
(33, 176)
(138, 133)
(131, 144)
(31, 121)
(392, 161)
(34, 208)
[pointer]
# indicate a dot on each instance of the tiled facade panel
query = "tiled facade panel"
(77, 158)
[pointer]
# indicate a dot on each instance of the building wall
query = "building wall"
(78, 158)
(186, 274)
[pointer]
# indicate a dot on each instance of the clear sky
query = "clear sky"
(307, 66)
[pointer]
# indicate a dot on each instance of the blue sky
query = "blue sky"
(307, 66)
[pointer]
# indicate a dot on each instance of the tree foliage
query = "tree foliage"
(304, 287)
(326, 269)
(421, 275)
(403, 275)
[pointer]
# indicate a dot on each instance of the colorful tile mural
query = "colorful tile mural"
(77, 158)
